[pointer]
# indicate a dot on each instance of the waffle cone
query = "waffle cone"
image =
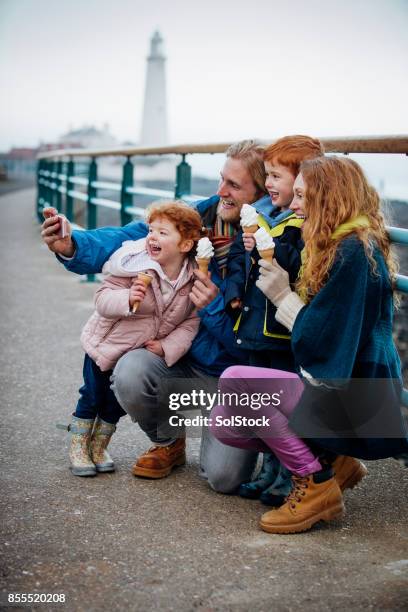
(267, 254)
(202, 264)
(250, 229)
(146, 279)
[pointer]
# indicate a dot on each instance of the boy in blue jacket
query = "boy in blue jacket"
(256, 328)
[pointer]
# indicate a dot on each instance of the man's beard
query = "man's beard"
(231, 216)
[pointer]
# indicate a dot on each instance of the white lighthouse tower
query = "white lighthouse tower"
(154, 122)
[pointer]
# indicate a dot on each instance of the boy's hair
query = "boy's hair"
(186, 220)
(291, 151)
(250, 152)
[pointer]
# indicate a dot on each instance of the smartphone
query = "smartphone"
(51, 212)
(63, 230)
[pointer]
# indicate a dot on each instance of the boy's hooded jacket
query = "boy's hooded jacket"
(114, 329)
(256, 327)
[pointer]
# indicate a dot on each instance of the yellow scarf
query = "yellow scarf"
(349, 226)
(361, 221)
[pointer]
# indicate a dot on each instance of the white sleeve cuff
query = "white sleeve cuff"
(65, 258)
(289, 309)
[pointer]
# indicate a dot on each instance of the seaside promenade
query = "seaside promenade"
(115, 542)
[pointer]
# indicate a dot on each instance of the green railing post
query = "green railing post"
(92, 208)
(58, 183)
(48, 191)
(53, 193)
(183, 179)
(92, 192)
(126, 199)
(39, 191)
(69, 200)
(43, 187)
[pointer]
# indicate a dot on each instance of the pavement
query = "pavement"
(116, 542)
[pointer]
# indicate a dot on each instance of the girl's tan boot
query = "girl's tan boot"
(81, 462)
(101, 436)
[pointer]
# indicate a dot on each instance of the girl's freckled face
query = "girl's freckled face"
(163, 240)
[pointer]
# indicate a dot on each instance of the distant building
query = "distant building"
(21, 153)
(54, 146)
(88, 137)
(18, 161)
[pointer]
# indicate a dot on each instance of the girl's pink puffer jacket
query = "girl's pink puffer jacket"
(114, 330)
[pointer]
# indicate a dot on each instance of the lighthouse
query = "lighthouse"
(154, 120)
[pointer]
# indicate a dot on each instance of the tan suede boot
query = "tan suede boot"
(101, 436)
(81, 462)
(313, 498)
(159, 461)
(348, 471)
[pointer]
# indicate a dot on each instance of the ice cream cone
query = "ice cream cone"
(267, 254)
(146, 279)
(250, 229)
(203, 264)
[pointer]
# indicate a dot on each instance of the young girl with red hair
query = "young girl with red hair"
(344, 401)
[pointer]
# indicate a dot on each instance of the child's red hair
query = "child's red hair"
(291, 151)
(186, 220)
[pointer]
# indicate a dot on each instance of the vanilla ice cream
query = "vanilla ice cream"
(263, 240)
(249, 217)
(205, 249)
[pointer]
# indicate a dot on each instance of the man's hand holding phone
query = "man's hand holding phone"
(56, 232)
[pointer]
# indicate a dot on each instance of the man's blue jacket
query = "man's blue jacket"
(214, 348)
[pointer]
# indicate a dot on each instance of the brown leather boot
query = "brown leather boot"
(313, 498)
(348, 471)
(158, 461)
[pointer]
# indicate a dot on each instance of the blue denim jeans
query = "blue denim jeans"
(97, 398)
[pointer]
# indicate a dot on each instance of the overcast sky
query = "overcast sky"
(235, 68)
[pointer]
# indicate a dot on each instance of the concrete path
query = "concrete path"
(120, 543)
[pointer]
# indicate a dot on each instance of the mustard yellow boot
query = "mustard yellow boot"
(313, 498)
(348, 471)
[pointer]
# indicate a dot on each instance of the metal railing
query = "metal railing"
(59, 185)
(57, 177)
